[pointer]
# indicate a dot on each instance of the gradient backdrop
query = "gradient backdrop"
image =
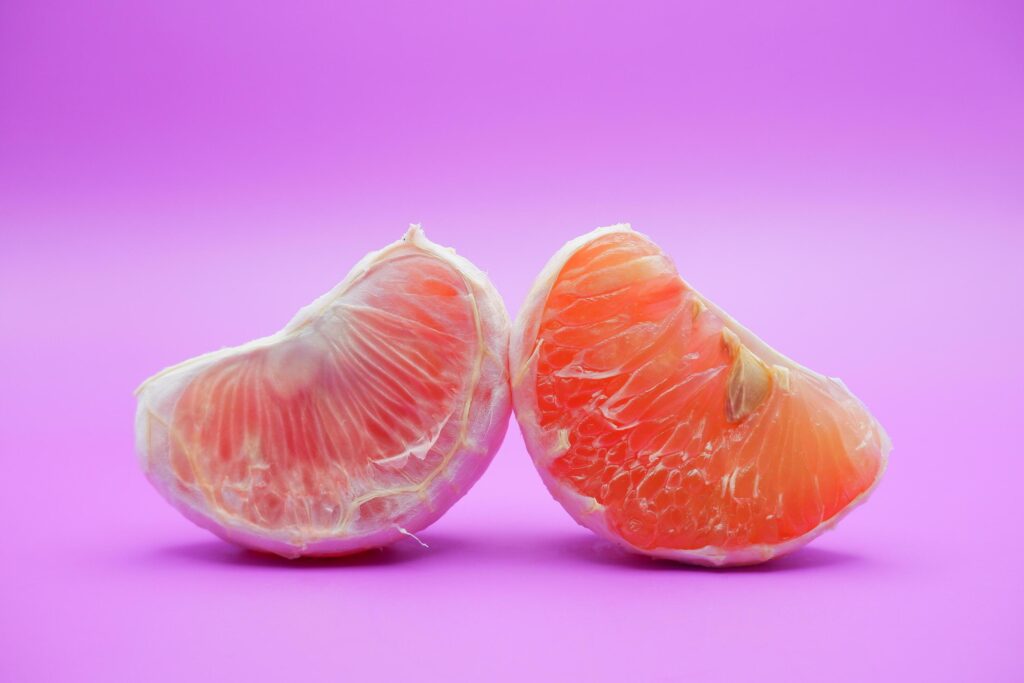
(843, 177)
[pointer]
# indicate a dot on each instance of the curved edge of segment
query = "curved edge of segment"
(414, 238)
(152, 434)
(545, 280)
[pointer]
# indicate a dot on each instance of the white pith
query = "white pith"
(545, 448)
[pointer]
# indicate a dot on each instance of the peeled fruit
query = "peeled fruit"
(659, 422)
(363, 420)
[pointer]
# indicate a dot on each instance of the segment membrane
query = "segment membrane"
(686, 437)
(344, 421)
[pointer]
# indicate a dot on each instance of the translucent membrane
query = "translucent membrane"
(686, 430)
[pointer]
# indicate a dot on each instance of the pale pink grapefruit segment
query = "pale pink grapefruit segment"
(362, 421)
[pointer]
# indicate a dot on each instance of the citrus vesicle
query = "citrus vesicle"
(659, 422)
(361, 421)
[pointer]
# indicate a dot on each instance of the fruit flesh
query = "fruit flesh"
(659, 420)
(363, 420)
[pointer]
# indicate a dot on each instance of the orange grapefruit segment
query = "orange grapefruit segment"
(364, 419)
(660, 422)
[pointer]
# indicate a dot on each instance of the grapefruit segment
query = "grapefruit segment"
(660, 422)
(364, 419)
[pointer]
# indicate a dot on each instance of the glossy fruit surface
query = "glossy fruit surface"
(363, 420)
(660, 422)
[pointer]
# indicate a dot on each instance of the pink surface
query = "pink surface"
(843, 178)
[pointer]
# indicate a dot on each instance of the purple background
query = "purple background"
(844, 178)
